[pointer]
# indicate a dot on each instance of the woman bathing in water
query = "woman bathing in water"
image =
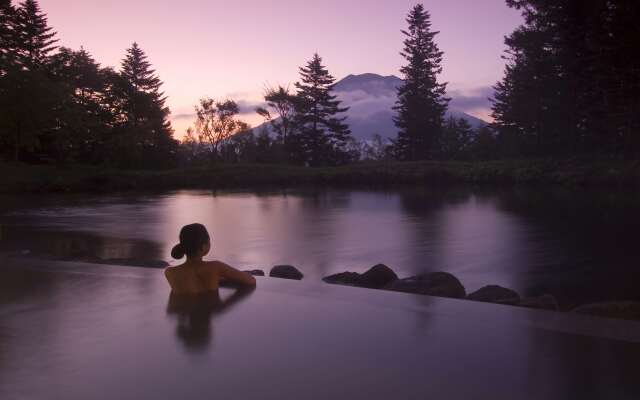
(196, 276)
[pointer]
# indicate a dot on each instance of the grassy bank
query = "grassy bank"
(27, 178)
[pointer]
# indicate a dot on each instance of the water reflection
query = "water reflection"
(582, 244)
(193, 315)
(572, 367)
(82, 246)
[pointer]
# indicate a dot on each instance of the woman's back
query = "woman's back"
(195, 275)
(204, 276)
(192, 278)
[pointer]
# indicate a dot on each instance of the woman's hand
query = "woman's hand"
(230, 275)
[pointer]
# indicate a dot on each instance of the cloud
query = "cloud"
(474, 99)
(247, 107)
(183, 116)
(363, 105)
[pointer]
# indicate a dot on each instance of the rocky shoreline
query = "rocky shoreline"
(437, 284)
(444, 284)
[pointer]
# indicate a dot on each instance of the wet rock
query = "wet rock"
(255, 272)
(622, 310)
(441, 284)
(378, 276)
(344, 278)
(544, 302)
(285, 272)
(495, 294)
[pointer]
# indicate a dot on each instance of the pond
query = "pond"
(581, 246)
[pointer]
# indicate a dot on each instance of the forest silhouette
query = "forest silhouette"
(570, 88)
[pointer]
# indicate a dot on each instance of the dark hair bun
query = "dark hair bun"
(192, 238)
(177, 252)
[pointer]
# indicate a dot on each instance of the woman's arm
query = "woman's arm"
(231, 274)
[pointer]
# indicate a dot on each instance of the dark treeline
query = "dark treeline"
(571, 87)
(60, 105)
(572, 82)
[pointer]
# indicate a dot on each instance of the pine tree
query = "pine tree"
(532, 104)
(80, 71)
(86, 118)
(7, 40)
(137, 70)
(572, 82)
(422, 101)
(146, 117)
(615, 72)
(7, 61)
(143, 86)
(36, 39)
(30, 100)
(323, 135)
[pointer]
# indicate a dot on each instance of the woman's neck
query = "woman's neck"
(194, 260)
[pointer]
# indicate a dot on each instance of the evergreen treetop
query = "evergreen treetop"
(314, 91)
(571, 84)
(144, 83)
(324, 135)
(7, 14)
(422, 100)
(136, 69)
(35, 39)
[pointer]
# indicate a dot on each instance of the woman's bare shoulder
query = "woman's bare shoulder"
(220, 268)
(216, 265)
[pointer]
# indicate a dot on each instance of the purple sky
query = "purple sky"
(234, 48)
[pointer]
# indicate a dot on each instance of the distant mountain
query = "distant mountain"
(372, 84)
(370, 98)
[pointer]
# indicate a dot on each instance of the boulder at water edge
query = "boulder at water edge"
(285, 272)
(377, 277)
(495, 294)
(441, 284)
(621, 310)
(344, 278)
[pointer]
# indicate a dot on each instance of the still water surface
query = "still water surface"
(580, 246)
(83, 331)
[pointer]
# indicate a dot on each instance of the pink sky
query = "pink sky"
(234, 48)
